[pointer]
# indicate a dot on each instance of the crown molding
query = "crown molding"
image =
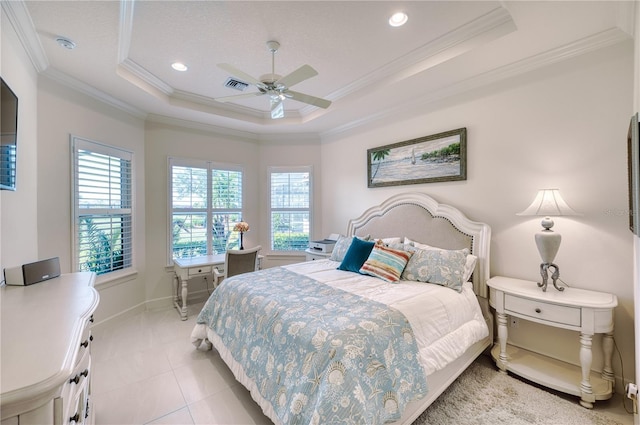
(246, 136)
(79, 86)
(625, 16)
(21, 22)
(126, 28)
(588, 44)
(492, 25)
(142, 75)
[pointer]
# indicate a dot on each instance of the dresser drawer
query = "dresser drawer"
(542, 311)
(194, 271)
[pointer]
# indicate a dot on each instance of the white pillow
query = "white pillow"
(388, 241)
(469, 266)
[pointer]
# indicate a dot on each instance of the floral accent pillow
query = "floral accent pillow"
(469, 266)
(439, 266)
(342, 246)
(386, 263)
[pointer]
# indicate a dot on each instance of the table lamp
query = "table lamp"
(241, 227)
(548, 203)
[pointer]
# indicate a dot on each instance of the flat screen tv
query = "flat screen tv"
(633, 163)
(8, 136)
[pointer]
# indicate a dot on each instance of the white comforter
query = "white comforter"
(445, 322)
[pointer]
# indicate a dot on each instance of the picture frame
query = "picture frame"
(440, 157)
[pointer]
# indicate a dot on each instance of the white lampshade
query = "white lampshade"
(548, 203)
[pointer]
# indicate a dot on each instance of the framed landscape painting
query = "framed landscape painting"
(438, 158)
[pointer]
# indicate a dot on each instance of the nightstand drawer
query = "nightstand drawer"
(542, 311)
(194, 271)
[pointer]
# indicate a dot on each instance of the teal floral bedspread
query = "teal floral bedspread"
(318, 354)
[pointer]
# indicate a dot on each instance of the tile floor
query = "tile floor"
(145, 371)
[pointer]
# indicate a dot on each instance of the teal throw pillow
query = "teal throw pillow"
(356, 255)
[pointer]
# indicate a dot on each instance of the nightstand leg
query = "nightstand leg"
(587, 397)
(607, 350)
(502, 340)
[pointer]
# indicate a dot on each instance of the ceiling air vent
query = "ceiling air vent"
(236, 84)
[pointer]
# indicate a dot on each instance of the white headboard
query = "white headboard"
(421, 218)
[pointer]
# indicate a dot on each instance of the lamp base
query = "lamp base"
(544, 272)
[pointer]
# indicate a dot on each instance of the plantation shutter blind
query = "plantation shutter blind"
(102, 179)
(189, 209)
(206, 202)
(290, 195)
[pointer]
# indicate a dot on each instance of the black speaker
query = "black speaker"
(32, 273)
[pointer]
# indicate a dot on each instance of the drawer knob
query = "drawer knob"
(85, 343)
(74, 418)
(76, 378)
(538, 310)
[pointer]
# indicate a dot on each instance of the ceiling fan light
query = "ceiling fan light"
(179, 66)
(398, 19)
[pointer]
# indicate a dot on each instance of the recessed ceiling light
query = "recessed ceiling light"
(398, 19)
(66, 43)
(179, 66)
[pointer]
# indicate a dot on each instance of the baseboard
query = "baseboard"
(130, 312)
(154, 304)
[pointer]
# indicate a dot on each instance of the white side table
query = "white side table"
(587, 312)
(188, 268)
(312, 254)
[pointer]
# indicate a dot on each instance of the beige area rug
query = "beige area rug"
(482, 396)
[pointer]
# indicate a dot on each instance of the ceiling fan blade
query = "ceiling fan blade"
(237, 97)
(311, 100)
(240, 74)
(297, 76)
(277, 108)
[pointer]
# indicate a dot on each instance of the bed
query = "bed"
(345, 341)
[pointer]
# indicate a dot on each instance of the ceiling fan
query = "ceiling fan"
(276, 86)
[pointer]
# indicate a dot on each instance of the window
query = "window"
(102, 200)
(290, 208)
(206, 202)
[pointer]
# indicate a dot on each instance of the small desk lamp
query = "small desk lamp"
(241, 227)
(547, 203)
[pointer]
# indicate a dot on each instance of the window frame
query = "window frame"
(209, 211)
(82, 143)
(289, 169)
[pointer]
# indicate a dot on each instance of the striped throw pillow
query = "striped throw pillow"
(386, 263)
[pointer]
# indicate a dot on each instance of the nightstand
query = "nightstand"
(312, 255)
(587, 312)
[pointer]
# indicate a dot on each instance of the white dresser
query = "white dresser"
(46, 351)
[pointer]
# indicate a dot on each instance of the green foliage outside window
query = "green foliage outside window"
(101, 251)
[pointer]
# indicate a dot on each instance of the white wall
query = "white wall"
(185, 140)
(303, 153)
(563, 127)
(163, 141)
(61, 113)
(18, 210)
